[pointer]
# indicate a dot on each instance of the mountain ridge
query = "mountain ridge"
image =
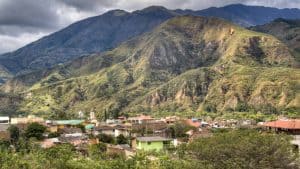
(103, 32)
(187, 63)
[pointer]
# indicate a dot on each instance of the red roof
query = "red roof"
(285, 124)
(193, 123)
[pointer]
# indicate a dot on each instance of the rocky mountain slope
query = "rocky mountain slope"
(104, 32)
(185, 64)
(288, 31)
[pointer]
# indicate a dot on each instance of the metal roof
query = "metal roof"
(68, 122)
(153, 139)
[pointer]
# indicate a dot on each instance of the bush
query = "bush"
(35, 130)
(106, 138)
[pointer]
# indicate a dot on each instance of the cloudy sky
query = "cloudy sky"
(24, 21)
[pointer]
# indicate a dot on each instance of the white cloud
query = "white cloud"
(9, 43)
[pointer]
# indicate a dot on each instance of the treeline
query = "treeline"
(240, 149)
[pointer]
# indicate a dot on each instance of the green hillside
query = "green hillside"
(186, 64)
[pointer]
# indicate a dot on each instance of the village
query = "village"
(127, 135)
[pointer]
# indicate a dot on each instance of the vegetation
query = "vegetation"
(191, 68)
(231, 149)
(35, 130)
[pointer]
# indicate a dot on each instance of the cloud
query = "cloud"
(11, 43)
(22, 21)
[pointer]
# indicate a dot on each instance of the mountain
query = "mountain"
(88, 36)
(250, 15)
(288, 31)
(187, 63)
(101, 33)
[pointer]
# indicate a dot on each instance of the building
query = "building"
(113, 130)
(157, 128)
(4, 120)
(26, 120)
(121, 149)
(193, 122)
(140, 119)
(153, 143)
(289, 126)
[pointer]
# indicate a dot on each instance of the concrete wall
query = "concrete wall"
(158, 145)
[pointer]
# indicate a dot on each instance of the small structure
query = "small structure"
(152, 143)
(50, 142)
(4, 120)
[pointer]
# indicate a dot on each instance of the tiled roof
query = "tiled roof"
(285, 124)
(194, 123)
(141, 117)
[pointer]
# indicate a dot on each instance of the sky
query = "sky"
(24, 21)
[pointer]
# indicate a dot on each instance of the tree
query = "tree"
(243, 149)
(53, 135)
(121, 139)
(97, 151)
(14, 134)
(106, 138)
(35, 130)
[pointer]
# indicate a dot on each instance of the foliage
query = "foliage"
(35, 130)
(53, 135)
(243, 149)
(121, 139)
(97, 151)
(14, 134)
(105, 138)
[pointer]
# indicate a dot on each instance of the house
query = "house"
(26, 120)
(70, 130)
(193, 122)
(113, 130)
(50, 142)
(121, 149)
(4, 120)
(289, 126)
(150, 127)
(152, 143)
(171, 119)
(56, 125)
(75, 139)
(140, 119)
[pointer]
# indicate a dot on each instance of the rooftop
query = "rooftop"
(152, 139)
(4, 118)
(141, 117)
(68, 122)
(284, 124)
